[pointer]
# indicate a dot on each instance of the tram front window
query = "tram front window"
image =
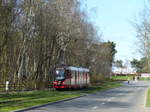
(60, 74)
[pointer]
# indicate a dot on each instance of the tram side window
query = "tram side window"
(73, 74)
(67, 74)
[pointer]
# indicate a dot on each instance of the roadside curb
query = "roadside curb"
(51, 103)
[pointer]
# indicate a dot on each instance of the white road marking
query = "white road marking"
(103, 103)
(112, 98)
(95, 107)
(108, 100)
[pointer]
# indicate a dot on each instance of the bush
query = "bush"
(97, 79)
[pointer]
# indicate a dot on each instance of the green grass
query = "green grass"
(105, 85)
(148, 99)
(123, 78)
(15, 101)
(145, 79)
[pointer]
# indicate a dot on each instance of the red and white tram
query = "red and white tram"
(71, 77)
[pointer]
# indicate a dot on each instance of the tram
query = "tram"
(71, 77)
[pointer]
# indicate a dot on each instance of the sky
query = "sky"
(113, 18)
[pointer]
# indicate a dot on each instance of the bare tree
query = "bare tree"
(143, 34)
(36, 35)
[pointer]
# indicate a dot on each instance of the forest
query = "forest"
(36, 35)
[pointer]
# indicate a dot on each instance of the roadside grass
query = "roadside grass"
(148, 99)
(105, 85)
(122, 78)
(145, 79)
(125, 78)
(14, 101)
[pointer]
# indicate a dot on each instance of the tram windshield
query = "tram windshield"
(60, 74)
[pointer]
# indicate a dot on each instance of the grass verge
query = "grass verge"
(145, 79)
(14, 101)
(123, 78)
(148, 99)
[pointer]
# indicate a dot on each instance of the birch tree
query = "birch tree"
(143, 34)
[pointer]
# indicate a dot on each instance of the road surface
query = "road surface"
(129, 98)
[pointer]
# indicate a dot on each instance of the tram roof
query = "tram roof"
(78, 69)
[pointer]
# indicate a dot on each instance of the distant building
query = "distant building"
(145, 75)
(123, 71)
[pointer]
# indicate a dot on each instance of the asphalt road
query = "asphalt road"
(129, 98)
